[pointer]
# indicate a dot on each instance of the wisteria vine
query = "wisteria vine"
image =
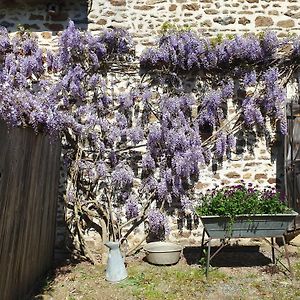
(131, 155)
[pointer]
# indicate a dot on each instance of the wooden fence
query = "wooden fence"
(292, 156)
(29, 175)
(292, 161)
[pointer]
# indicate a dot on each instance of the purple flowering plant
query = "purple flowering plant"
(142, 149)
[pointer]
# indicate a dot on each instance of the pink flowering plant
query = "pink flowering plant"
(131, 155)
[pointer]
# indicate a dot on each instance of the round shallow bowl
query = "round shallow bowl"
(162, 253)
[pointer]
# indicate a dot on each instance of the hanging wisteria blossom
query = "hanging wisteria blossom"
(132, 155)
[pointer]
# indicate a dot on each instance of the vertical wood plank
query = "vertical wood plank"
(29, 176)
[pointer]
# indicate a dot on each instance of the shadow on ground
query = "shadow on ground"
(58, 268)
(229, 256)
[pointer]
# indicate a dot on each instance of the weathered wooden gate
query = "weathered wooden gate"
(29, 175)
(292, 158)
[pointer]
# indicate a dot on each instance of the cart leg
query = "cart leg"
(208, 257)
(286, 253)
(273, 250)
(202, 242)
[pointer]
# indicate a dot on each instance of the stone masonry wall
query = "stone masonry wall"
(144, 19)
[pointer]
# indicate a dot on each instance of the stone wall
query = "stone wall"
(144, 20)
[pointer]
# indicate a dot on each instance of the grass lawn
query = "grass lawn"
(182, 281)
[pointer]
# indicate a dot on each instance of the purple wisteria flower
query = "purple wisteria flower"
(250, 78)
(101, 168)
(221, 145)
(231, 142)
(158, 222)
(122, 176)
(155, 135)
(251, 112)
(5, 43)
(148, 162)
(136, 134)
(132, 209)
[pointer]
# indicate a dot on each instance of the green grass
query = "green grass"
(150, 282)
(182, 281)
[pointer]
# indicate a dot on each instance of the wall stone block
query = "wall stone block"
(225, 20)
(262, 21)
(46, 35)
(144, 7)
(36, 17)
(207, 23)
(118, 2)
(102, 22)
(172, 7)
(274, 12)
(211, 11)
(243, 21)
(293, 7)
(260, 176)
(192, 6)
(233, 175)
(272, 180)
(245, 12)
(201, 186)
(286, 23)
(293, 14)
(54, 26)
(32, 27)
(110, 13)
(153, 2)
(247, 176)
(225, 182)
(59, 17)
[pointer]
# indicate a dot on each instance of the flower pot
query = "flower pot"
(163, 253)
(247, 226)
